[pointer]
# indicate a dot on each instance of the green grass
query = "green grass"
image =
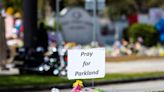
(26, 80)
(131, 76)
(33, 80)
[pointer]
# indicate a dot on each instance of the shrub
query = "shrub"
(147, 32)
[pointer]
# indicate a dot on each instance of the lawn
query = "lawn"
(34, 80)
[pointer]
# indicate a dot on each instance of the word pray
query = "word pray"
(89, 54)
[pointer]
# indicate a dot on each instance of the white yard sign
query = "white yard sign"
(86, 63)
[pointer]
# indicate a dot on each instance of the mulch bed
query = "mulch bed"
(131, 58)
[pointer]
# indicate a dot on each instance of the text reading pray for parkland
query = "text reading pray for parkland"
(86, 63)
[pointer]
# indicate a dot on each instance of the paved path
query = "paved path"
(135, 66)
(10, 71)
(148, 86)
(151, 65)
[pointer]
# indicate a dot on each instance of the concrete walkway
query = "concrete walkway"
(9, 71)
(147, 86)
(12, 71)
(151, 65)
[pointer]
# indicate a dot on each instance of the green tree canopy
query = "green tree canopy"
(16, 4)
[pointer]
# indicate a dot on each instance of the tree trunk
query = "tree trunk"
(3, 46)
(30, 23)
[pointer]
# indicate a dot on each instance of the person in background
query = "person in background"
(9, 24)
(18, 24)
(11, 36)
(42, 37)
